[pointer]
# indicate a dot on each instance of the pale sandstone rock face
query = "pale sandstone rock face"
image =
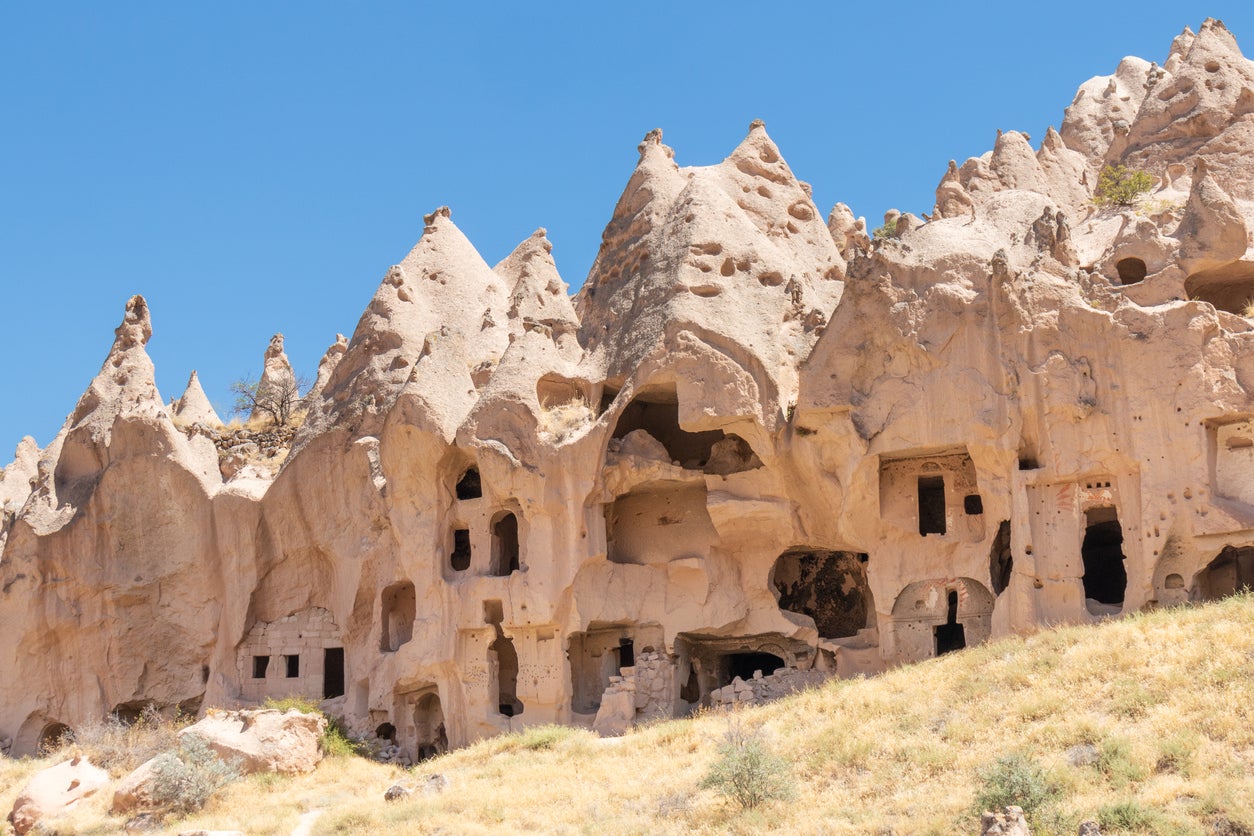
(266, 740)
(54, 791)
(755, 450)
(194, 407)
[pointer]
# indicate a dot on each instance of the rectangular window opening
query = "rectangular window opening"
(293, 665)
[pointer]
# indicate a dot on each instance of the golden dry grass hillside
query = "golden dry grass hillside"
(1145, 724)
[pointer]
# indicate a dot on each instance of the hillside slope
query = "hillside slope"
(1165, 699)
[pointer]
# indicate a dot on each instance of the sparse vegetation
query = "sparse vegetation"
(565, 421)
(747, 771)
(1015, 780)
(278, 402)
(336, 742)
(120, 747)
(906, 750)
(1118, 185)
(184, 780)
(888, 230)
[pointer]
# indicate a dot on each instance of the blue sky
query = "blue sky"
(256, 167)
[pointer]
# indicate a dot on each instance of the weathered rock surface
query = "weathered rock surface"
(263, 740)
(754, 451)
(54, 791)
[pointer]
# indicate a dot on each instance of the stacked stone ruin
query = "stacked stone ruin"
(753, 452)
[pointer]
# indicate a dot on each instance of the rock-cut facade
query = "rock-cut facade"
(758, 449)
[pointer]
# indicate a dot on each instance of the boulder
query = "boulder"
(55, 790)
(264, 740)
(135, 791)
(1008, 821)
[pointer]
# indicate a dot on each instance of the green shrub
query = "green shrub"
(1014, 780)
(336, 740)
(886, 231)
(1121, 186)
(183, 781)
(1130, 817)
(1119, 763)
(748, 771)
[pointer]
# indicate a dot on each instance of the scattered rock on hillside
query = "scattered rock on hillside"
(1008, 821)
(264, 740)
(54, 790)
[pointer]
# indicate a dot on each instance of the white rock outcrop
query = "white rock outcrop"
(754, 451)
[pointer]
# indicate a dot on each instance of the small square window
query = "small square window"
(972, 504)
(293, 665)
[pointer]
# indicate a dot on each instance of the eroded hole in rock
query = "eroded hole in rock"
(504, 545)
(459, 558)
(972, 504)
(658, 523)
(385, 731)
(554, 391)
(53, 737)
(291, 665)
(261, 664)
(469, 486)
(503, 662)
(656, 411)
(1105, 576)
(1229, 288)
(129, 713)
(1000, 559)
(951, 635)
(731, 454)
(398, 608)
(600, 653)
(931, 505)
(430, 737)
(1130, 270)
(332, 673)
(829, 586)
(1231, 571)
(745, 665)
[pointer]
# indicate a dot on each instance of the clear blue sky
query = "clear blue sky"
(256, 167)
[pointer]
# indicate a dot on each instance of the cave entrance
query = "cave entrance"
(504, 545)
(503, 659)
(332, 673)
(459, 558)
(1130, 270)
(931, 505)
(399, 608)
(950, 636)
(469, 486)
(1000, 559)
(829, 586)
(1105, 576)
(1231, 571)
(430, 737)
(53, 737)
(745, 665)
(1229, 288)
(656, 411)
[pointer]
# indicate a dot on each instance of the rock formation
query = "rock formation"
(754, 451)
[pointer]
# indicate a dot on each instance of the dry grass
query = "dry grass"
(564, 422)
(1166, 698)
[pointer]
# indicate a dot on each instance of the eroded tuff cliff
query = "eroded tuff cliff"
(753, 442)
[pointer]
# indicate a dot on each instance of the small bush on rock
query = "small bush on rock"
(1120, 186)
(1015, 781)
(183, 781)
(748, 771)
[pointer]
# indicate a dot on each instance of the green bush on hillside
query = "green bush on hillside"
(1121, 186)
